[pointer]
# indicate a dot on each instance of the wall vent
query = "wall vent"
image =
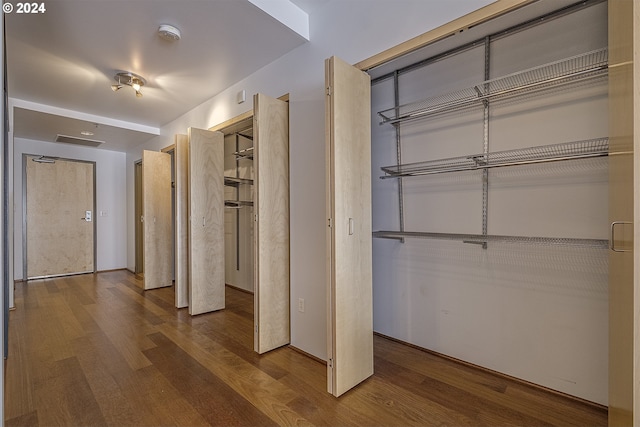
(78, 141)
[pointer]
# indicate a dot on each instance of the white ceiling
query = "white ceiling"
(66, 57)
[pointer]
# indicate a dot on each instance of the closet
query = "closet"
(492, 177)
(256, 180)
(490, 207)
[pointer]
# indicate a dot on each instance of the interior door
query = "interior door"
(156, 217)
(206, 225)
(59, 214)
(624, 123)
(271, 233)
(181, 160)
(349, 238)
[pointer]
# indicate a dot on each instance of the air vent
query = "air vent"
(78, 141)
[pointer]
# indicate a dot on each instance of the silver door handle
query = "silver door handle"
(612, 244)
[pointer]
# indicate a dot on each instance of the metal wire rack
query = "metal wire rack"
(546, 153)
(480, 239)
(244, 154)
(237, 204)
(577, 68)
(232, 181)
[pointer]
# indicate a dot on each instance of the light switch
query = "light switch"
(87, 216)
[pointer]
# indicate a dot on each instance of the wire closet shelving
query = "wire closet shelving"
(546, 153)
(576, 68)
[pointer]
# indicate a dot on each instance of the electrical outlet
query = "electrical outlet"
(301, 305)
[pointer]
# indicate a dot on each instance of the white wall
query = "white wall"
(535, 312)
(353, 30)
(111, 187)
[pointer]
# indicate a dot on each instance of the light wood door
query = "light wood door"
(206, 225)
(181, 163)
(156, 219)
(59, 214)
(271, 233)
(624, 136)
(349, 239)
(139, 226)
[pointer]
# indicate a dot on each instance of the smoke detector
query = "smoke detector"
(169, 32)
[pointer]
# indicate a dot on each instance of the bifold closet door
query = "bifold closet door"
(206, 221)
(271, 233)
(624, 125)
(349, 238)
(156, 219)
(181, 161)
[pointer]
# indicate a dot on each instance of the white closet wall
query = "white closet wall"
(536, 312)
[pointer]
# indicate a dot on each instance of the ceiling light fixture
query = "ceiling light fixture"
(129, 79)
(86, 133)
(169, 32)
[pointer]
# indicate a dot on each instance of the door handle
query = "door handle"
(612, 244)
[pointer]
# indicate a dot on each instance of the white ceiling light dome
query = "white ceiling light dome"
(169, 32)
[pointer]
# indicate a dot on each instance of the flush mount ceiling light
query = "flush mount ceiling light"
(169, 32)
(129, 79)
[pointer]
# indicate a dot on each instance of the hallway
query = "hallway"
(97, 350)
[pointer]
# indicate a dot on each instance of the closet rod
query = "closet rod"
(480, 239)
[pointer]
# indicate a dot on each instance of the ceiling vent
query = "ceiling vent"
(78, 141)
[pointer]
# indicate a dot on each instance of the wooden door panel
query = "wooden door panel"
(59, 239)
(156, 212)
(206, 225)
(350, 306)
(271, 207)
(624, 123)
(181, 160)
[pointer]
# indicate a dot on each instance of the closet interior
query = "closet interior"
(239, 207)
(490, 196)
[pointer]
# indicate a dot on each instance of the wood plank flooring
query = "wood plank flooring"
(94, 350)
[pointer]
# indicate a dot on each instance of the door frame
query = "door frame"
(138, 237)
(25, 157)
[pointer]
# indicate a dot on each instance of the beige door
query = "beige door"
(206, 225)
(349, 238)
(271, 233)
(624, 123)
(181, 162)
(59, 217)
(156, 219)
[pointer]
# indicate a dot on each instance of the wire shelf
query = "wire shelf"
(237, 204)
(546, 153)
(231, 181)
(480, 239)
(244, 154)
(581, 67)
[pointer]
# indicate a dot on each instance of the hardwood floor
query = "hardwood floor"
(96, 350)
